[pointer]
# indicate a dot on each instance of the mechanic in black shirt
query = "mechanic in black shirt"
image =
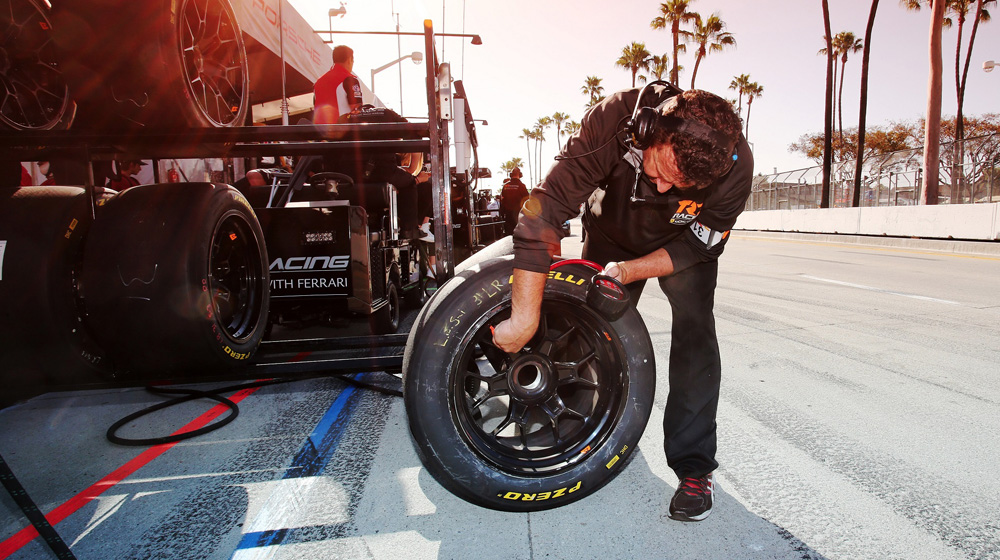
(662, 192)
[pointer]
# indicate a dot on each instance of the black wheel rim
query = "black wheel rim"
(548, 407)
(214, 60)
(33, 92)
(236, 277)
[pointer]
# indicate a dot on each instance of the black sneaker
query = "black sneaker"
(693, 499)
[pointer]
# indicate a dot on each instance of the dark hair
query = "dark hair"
(701, 161)
(342, 54)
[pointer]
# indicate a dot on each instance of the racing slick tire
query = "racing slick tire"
(534, 430)
(183, 63)
(386, 319)
(33, 91)
(175, 279)
(45, 343)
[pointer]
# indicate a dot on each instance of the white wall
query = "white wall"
(946, 221)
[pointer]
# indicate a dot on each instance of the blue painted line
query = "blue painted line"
(312, 458)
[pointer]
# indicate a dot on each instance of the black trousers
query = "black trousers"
(695, 369)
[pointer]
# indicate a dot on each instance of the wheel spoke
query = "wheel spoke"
(497, 357)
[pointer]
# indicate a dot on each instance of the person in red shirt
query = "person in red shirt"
(124, 178)
(337, 92)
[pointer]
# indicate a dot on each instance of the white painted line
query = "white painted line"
(880, 290)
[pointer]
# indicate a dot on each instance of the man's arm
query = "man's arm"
(656, 264)
(526, 293)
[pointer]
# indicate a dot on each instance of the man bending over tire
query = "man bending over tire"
(664, 178)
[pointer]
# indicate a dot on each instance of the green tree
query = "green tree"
(509, 165)
(754, 90)
(961, 8)
(540, 125)
(740, 84)
(633, 58)
(571, 128)
(558, 119)
(844, 43)
(672, 14)
(659, 65)
(528, 136)
(710, 36)
(593, 89)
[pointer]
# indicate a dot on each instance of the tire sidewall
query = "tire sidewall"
(435, 344)
(147, 278)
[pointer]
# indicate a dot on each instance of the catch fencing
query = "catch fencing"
(893, 179)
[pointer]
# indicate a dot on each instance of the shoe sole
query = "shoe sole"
(690, 519)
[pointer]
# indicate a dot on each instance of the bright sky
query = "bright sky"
(536, 55)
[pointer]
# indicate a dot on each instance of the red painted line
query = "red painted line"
(71, 506)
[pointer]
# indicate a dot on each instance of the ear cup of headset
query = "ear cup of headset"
(642, 126)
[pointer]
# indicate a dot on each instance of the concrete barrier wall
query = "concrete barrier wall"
(946, 221)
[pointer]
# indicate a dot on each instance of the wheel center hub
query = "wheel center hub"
(532, 378)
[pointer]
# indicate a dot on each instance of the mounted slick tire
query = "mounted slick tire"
(533, 430)
(175, 279)
(44, 342)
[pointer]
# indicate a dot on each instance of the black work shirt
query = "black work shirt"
(692, 225)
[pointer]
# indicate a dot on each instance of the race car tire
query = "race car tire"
(208, 64)
(534, 430)
(175, 279)
(386, 319)
(45, 343)
(33, 91)
(183, 63)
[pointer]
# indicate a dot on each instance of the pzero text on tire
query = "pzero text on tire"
(533, 430)
(175, 278)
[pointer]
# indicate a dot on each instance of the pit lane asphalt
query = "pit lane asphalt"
(859, 413)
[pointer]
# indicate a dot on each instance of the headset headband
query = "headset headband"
(691, 127)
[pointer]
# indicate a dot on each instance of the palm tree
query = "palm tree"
(828, 116)
(843, 43)
(740, 84)
(672, 14)
(833, 85)
(571, 128)
(710, 36)
(754, 90)
(932, 133)
(658, 66)
(508, 166)
(558, 119)
(633, 58)
(592, 88)
(540, 125)
(961, 10)
(528, 135)
(863, 111)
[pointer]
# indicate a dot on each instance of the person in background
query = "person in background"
(338, 92)
(125, 177)
(512, 197)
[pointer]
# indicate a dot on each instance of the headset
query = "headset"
(646, 120)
